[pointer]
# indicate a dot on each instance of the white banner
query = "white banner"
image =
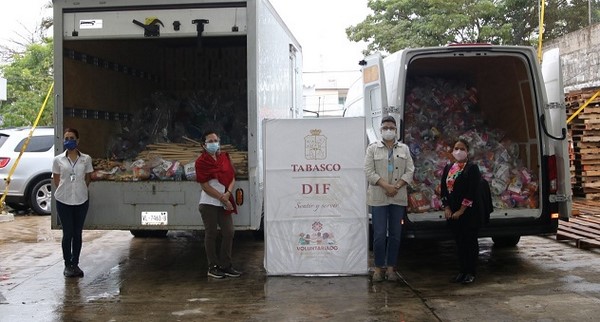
(315, 197)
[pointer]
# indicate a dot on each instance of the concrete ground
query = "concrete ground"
(138, 279)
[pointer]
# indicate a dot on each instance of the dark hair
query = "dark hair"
(72, 130)
(463, 141)
(388, 118)
(207, 133)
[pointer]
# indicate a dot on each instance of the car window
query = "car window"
(3, 138)
(37, 144)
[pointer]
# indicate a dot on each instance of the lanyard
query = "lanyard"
(72, 175)
(73, 163)
(391, 160)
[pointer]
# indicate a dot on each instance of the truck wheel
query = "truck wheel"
(40, 197)
(143, 233)
(259, 234)
(506, 241)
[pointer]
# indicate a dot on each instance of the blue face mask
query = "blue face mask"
(212, 147)
(70, 144)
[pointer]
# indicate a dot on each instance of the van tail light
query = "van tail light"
(239, 197)
(4, 162)
(552, 174)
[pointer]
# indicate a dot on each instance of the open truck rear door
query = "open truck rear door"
(375, 95)
(556, 122)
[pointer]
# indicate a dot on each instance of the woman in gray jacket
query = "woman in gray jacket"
(389, 168)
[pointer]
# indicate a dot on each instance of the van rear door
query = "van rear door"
(375, 95)
(556, 122)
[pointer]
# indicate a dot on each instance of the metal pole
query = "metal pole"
(589, 12)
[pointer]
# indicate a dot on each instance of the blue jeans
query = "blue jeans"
(72, 218)
(387, 231)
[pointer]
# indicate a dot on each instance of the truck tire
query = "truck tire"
(40, 197)
(259, 234)
(506, 241)
(143, 233)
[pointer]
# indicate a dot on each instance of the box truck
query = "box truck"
(503, 102)
(134, 75)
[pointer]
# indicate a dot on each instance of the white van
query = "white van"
(30, 186)
(496, 98)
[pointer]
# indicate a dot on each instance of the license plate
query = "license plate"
(155, 218)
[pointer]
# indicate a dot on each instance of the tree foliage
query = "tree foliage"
(398, 24)
(28, 60)
(29, 77)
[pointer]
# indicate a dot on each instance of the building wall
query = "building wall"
(325, 92)
(580, 57)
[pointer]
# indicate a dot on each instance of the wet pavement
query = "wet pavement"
(150, 279)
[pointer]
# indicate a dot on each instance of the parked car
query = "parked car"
(30, 184)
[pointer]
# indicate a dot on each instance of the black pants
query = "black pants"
(467, 248)
(72, 218)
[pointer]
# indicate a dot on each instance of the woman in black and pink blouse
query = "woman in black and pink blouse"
(459, 185)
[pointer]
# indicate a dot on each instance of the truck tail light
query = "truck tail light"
(4, 162)
(239, 197)
(552, 174)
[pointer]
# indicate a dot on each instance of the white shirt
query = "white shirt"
(72, 191)
(206, 199)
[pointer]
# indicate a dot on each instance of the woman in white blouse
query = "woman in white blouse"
(71, 175)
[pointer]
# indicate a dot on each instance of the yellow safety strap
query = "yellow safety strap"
(541, 29)
(14, 166)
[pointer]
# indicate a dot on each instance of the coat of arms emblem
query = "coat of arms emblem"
(315, 145)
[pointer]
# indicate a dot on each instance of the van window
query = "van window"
(37, 144)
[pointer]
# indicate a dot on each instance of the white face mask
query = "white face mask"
(388, 135)
(459, 155)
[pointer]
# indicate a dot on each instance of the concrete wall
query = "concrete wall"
(580, 57)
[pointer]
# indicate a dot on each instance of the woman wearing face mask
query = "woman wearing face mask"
(459, 184)
(71, 175)
(216, 175)
(389, 168)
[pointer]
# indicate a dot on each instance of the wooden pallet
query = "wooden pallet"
(583, 230)
(583, 227)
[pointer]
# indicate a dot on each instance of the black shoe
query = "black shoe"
(458, 278)
(69, 271)
(230, 271)
(469, 278)
(78, 271)
(215, 272)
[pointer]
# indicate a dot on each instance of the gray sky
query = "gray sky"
(317, 24)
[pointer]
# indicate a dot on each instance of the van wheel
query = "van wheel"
(143, 233)
(40, 197)
(506, 241)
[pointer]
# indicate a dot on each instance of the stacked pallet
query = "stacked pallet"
(584, 133)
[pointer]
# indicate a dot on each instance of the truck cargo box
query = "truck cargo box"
(142, 80)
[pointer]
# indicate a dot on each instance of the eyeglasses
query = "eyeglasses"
(385, 128)
(211, 141)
